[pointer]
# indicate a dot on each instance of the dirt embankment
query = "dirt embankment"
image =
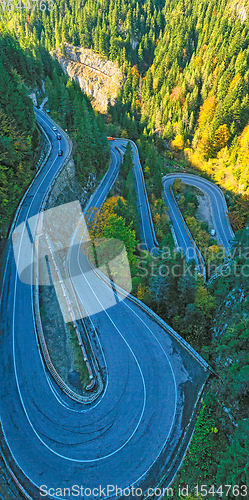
(97, 76)
(204, 212)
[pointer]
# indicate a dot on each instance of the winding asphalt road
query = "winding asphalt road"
(132, 434)
(147, 231)
(218, 204)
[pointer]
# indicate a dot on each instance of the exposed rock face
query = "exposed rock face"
(96, 76)
(241, 11)
(240, 8)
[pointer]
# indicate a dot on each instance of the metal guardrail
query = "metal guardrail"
(93, 379)
(42, 342)
(155, 317)
(65, 388)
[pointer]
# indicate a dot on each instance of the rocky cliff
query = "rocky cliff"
(97, 76)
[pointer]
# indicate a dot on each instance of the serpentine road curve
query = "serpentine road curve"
(218, 206)
(136, 432)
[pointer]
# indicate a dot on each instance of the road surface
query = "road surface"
(147, 231)
(132, 434)
(184, 239)
(222, 224)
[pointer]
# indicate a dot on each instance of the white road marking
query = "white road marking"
(159, 343)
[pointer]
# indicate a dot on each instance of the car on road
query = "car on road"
(54, 129)
(60, 152)
(212, 232)
(110, 138)
(59, 136)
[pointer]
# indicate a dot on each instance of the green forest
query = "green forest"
(24, 70)
(185, 102)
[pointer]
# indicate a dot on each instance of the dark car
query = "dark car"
(59, 137)
(60, 152)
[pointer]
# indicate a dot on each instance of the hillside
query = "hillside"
(186, 68)
(185, 100)
(21, 71)
(196, 91)
(19, 137)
